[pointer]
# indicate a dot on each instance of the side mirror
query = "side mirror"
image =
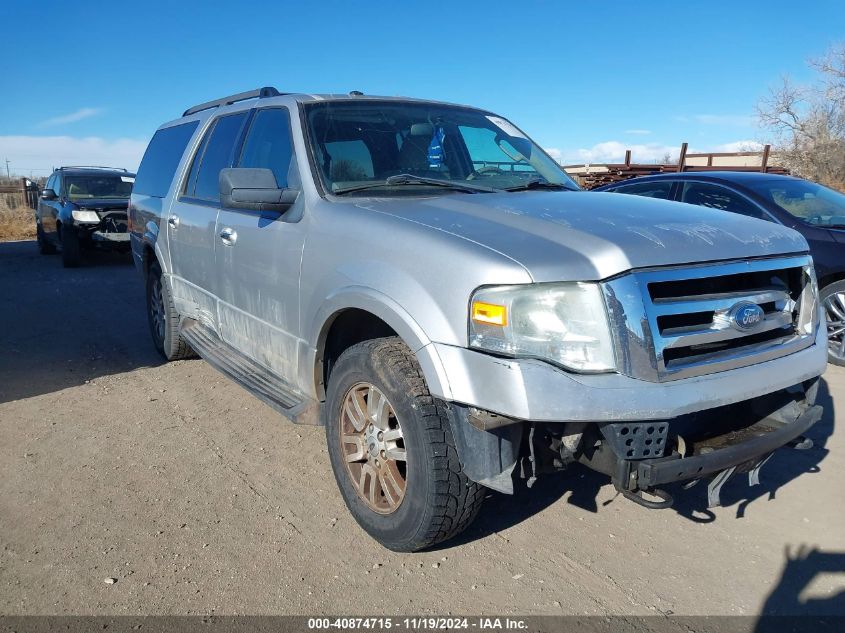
(48, 194)
(255, 189)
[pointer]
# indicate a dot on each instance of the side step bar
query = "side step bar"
(256, 379)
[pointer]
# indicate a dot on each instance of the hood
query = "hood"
(562, 236)
(102, 203)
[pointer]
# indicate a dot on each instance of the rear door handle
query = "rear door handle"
(228, 236)
(173, 221)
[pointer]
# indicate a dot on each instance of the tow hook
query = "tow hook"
(637, 496)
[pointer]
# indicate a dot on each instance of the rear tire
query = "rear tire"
(832, 298)
(163, 318)
(44, 246)
(437, 500)
(71, 251)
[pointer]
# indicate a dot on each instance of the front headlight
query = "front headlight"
(565, 323)
(85, 215)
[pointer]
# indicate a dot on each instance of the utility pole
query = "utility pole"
(8, 175)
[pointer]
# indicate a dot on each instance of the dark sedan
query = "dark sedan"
(817, 212)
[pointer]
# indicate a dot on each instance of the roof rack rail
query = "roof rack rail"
(260, 93)
(93, 167)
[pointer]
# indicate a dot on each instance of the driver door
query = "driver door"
(258, 256)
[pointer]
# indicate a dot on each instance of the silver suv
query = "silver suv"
(427, 283)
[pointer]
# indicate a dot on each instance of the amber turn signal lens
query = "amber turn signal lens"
(489, 313)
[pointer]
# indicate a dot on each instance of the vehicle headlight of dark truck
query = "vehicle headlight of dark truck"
(426, 282)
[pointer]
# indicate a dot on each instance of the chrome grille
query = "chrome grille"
(674, 323)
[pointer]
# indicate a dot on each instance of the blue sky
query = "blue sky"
(90, 81)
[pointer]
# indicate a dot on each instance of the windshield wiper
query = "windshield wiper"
(536, 183)
(409, 179)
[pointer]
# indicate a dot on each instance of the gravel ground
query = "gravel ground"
(196, 498)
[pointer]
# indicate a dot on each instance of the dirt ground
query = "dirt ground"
(199, 499)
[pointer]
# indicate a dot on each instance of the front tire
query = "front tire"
(71, 251)
(832, 298)
(163, 318)
(392, 451)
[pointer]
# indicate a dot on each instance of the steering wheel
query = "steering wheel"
(486, 172)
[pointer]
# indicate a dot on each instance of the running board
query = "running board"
(258, 380)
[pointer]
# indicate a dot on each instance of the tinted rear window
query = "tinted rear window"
(161, 159)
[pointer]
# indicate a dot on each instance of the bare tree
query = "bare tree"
(808, 121)
(668, 159)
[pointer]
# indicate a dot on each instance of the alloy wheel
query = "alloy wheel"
(834, 307)
(157, 309)
(373, 447)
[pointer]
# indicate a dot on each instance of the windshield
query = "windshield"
(92, 187)
(356, 144)
(805, 200)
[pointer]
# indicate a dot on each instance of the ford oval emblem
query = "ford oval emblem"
(746, 316)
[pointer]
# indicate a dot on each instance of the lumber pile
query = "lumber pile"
(592, 176)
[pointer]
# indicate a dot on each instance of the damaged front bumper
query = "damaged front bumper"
(111, 231)
(640, 457)
(737, 449)
(717, 444)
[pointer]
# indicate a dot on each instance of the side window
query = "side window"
(654, 189)
(717, 197)
(50, 182)
(57, 185)
(191, 181)
(268, 144)
(218, 154)
(161, 160)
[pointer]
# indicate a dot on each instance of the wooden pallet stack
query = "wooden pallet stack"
(592, 176)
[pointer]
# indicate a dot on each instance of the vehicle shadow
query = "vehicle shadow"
(501, 511)
(581, 486)
(60, 327)
(789, 603)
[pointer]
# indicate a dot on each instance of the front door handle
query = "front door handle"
(228, 236)
(173, 221)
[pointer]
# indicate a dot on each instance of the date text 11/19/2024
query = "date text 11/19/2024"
(417, 623)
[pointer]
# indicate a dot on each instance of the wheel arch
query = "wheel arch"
(831, 278)
(356, 314)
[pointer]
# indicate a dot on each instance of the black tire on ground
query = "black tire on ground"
(163, 318)
(835, 312)
(71, 251)
(44, 246)
(439, 500)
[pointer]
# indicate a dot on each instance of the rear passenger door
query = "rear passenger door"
(192, 222)
(258, 255)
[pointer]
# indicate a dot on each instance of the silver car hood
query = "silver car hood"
(561, 236)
